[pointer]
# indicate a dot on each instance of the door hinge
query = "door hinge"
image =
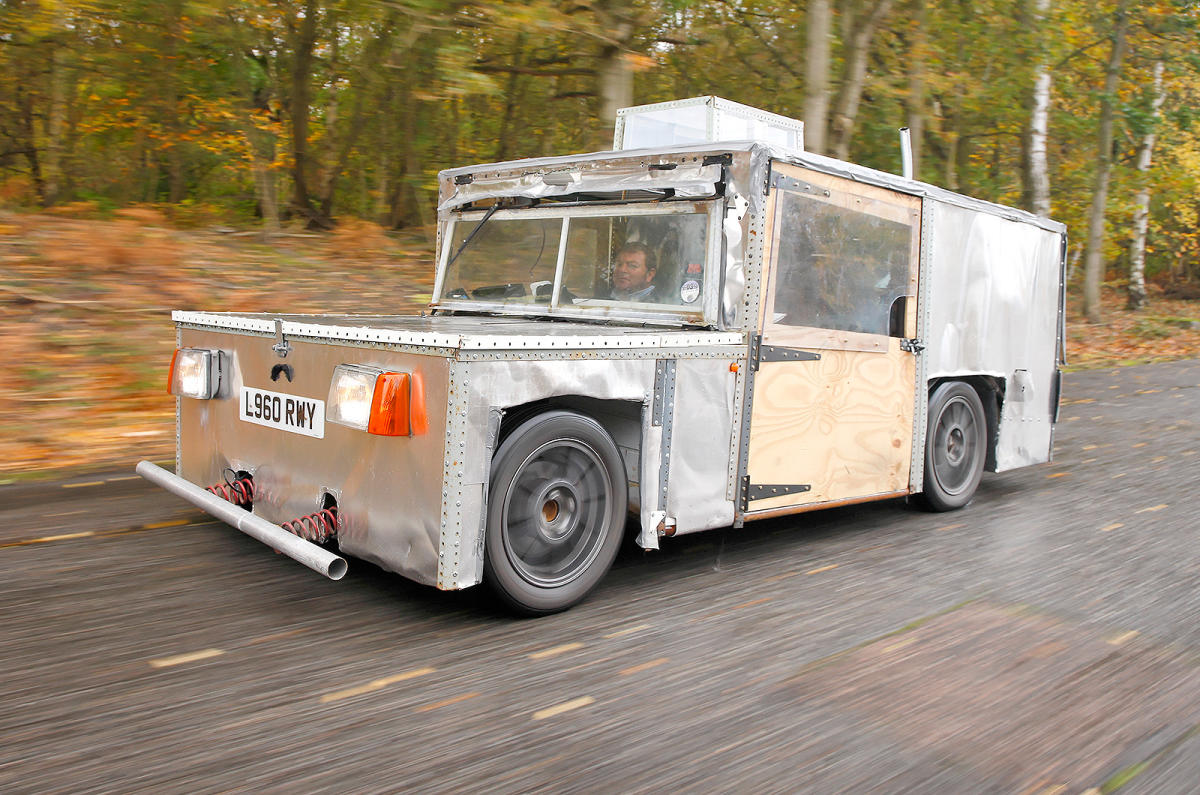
(761, 491)
(913, 345)
(760, 353)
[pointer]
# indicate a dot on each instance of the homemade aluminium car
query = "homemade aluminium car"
(818, 334)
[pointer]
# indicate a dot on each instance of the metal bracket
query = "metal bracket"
(664, 390)
(778, 180)
(281, 346)
(777, 353)
(760, 353)
(765, 491)
(663, 415)
(913, 345)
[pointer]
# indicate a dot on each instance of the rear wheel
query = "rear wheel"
(955, 447)
(556, 510)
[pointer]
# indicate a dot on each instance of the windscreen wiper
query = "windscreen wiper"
(500, 204)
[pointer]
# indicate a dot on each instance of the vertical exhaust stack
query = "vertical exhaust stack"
(906, 166)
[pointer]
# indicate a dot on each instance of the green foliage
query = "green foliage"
(197, 104)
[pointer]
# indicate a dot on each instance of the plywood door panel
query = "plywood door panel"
(841, 425)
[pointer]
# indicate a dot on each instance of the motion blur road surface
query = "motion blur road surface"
(1044, 639)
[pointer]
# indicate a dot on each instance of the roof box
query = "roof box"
(703, 120)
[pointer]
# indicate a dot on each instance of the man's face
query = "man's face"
(630, 272)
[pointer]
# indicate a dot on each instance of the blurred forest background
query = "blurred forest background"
(217, 154)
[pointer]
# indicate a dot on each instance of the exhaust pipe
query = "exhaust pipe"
(274, 536)
(906, 167)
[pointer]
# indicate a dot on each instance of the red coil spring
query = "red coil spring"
(239, 492)
(317, 527)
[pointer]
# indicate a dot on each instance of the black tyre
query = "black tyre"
(955, 447)
(556, 512)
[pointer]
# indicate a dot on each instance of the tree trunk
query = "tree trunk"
(265, 188)
(29, 140)
(55, 123)
(915, 103)
(816, 75)
(850, 93)
(614, 77)
(1093, 263)
(511, 103)
(615, 80)
(328, 168)
(173, 121)
(404, 199)
(1038, 174)
(303, 42)
(1141, 213)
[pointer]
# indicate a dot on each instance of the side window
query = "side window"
(842, 260)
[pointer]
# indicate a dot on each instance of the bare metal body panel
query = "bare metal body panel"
(389, 497)
(397, 506)
(994, 287)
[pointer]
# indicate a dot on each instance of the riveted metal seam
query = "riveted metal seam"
(916, 477)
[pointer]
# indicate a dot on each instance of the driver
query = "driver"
(633, 274)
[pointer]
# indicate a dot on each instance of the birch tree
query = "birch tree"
(1141, 212)
(1093, 262)
(1038, 175)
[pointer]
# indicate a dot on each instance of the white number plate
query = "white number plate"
(286, 412)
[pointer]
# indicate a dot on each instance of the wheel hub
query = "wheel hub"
(955, 444)
(559, 510)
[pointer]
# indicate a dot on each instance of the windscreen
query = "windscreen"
(652, 259)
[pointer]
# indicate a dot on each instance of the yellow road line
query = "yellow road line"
(123, 477)
(1124, 637)
(48, 539)
(378, 684)
(566, 706)
(646, 666)
(555, 651)
(830, 567)
(147, 527)
(627, 631)
(950, 527)
(81, 485)
(783, 576)
(161, 525)
(180, 659)
(1112, 526)
(751, 604)
(446, 702)
(898, 645)
(1152, 508)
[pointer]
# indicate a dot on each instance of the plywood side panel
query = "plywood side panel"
(842, 425)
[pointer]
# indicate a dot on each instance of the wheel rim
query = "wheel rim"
(556, 512)
(955, 446)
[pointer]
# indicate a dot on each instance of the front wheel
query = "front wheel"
(556, 510)
(955, 447)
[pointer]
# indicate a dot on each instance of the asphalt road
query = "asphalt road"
(1046, 639)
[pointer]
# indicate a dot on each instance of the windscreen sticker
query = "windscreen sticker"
(689, 291)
